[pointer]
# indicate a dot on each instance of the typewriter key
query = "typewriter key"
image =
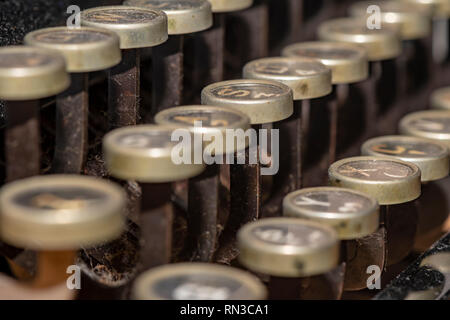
(26, 75)
(198, 281)
(431, 157)
(229, 5)
(348, 64)
(433, 160)
(206, 212)
(395, 184)
(355, 217)
(414, 27)
(433, 124)
(411, 20)
(184, 17)
(137, 28)
(308, 79)
(144, 154)
(381, 45)
(440, 99)
(58, 214)
(294, 254)
(440, 13)
(85, 50)
(264, 102)
(440, 9)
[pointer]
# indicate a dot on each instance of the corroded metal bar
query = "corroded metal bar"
(338, 101)
(167, 74)
(22, 139)
(203, 208)
(359, 255)
(368, 88)
(247, 37)
(155, 222)
(289, 178)
(245, 203)
(400, 221)
(124, 90)
(295, 11)
(327, 286)
(208, 57)
(72, 109)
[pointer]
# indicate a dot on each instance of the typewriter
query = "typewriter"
(225, 149)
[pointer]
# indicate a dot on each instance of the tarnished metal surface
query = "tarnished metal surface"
(362, 253)
(288, 247)
(247, 38)
(136, 27)
(400, 221)
(431, 157)
(202, 216)
(168, 75)
(72, 127)
(340, 98)
(22, 140)
(84, 49)
(388, 180)
(381, 119)
(207, 50)
(351, 213)
(289, 178)
(245, 205)
(155, 223)
(124, 90)
(328, 286)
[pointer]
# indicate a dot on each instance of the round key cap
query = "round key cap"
(413, 21)
(136, 27)
(144, 153)
(439, 8)
(261, 100)
(288, 247)
(434, 125)
(440, 99)
(351, 213)
(184, 16)
(307, 78)
(60, 212)
(213, 120)
(85, 49)
(381, 44)
(390, 181)
(348, 62)
(229, 5)
(28, 73)
(431, 157)
(197, 281)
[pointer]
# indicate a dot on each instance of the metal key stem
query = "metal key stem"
(168, 74)
(124, 90)
(72, 108)
(156, 224)
(22, 139)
